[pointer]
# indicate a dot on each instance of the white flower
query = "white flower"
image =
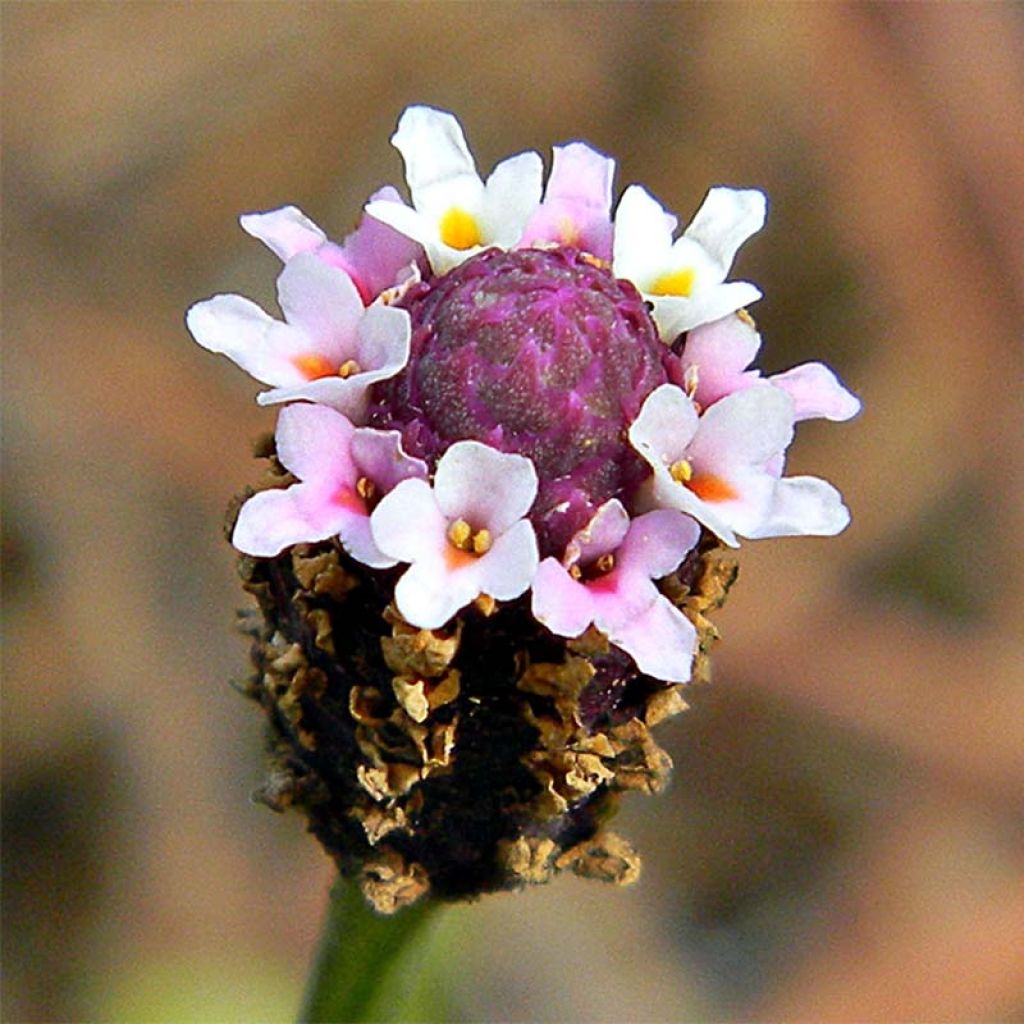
(464, 537)
(330, 349)
(724, 467)
(454, 213)
(685, 279)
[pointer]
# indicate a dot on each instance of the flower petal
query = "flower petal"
(816, 392)
(716, 354)
(323, 302)
(270, 521)
(512, 193)
(675, 314)
(379, 455)
(559, 602)
(803, 506)
(286, 231)
(487, 488)
(665, 425)
(507, 570)
(643, 237)
(725, 220)
(661, 641)
(408, 525)
(601, 536)
(656, 543)
(428, 597)
(314, 442)
(438, 163)
(236, 327)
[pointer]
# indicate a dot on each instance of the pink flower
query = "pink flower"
(714, 362)
(685, 280)
(375, 256)
(454, 213)
(464, 537)
(330, 349)
(341, 470)
(605, 579)
(577, 202)
(724, 467)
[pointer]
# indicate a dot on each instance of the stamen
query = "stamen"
(460, 534)
(366, 488)
(681, 471)
(605, 563)
(459, 229)
(575, 572)
(676, 282)
(481, 542)
(348, 368)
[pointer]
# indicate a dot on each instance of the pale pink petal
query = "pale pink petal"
(602, 535)
(379, 455)
(286, 231)
(428, 597)
(236, 327)
(656, 543)
(803, 506)
(273, 520)
(725, 220)
(380, 347)
(314, 443)
(559, 602)
(406, 221)
(487, 488)
(665, 426)
(619, 596)
(508, 568)
(717, 354)
(511, 195)
(660, 640)
(375, 254)
(577, 202)
(669, 494)
(322, 301)
(744, 429)
(408, 525)
(816, 392)
(357, 538)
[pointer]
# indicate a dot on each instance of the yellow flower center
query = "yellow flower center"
(676, 282)
(459, 229)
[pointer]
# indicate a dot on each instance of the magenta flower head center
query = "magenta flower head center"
(519, 432)
(540, 352)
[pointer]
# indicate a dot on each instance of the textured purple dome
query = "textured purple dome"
(541, 352)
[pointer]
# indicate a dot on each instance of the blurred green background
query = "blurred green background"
(844, 837)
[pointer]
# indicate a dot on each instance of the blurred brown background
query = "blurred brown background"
(844, 838)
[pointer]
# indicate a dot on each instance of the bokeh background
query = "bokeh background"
(844, 837)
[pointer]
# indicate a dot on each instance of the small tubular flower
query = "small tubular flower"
(454, 213)
(723, 467)
(714, 361)
(341, 471)
(330, 349)
(577, 205)
(605, 579)
(685, 279)
(375, 256)
(465, 537)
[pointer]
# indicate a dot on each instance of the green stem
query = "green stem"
(370, 967)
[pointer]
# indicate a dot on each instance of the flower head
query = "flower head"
(519, 434)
